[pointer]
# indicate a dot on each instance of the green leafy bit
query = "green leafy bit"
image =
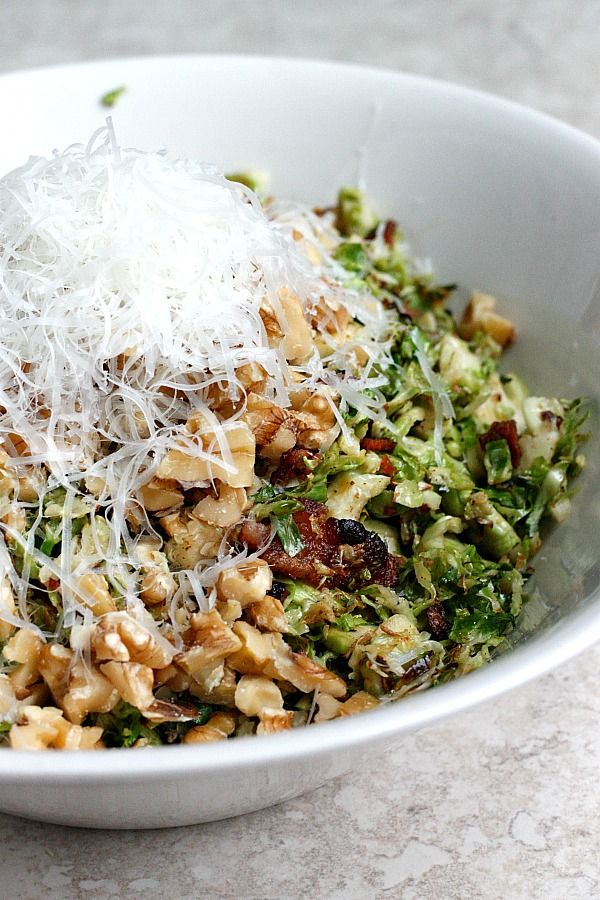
(255, 179)
(497, 461)
(353, 214)
(289, 535)
(124, 726)
(110, 98)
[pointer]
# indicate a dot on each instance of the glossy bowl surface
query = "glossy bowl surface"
(501, 199)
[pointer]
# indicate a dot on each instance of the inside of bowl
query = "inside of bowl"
(499, 199)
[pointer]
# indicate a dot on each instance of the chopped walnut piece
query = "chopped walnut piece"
(359, 702)
(268, 615)
(224, 510)
(259, 696)
(297, 343)
(210, 641)
(304, 673)
(24, 647)
(55, 668)
(252, 377)
(191, 540)
(274, 428)
(328, 708)
(218, 728)
(480, 316)
(317, 422)
(247, 583)
(254, 693)
(275, 720)
(93, 591)
(271, 324)
(7, 606)
(42, 728)
(157, 583)
(268, 654)
(87, 691)
(229, 610)
(120, 637)
(238, 472)
(133, 681)
(8, 699)
(210, 690)
(160, 494)
(255, 651)
(175, 678)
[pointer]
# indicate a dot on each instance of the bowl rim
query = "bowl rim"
(519, 666)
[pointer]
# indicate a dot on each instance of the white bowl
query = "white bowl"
(500, 198)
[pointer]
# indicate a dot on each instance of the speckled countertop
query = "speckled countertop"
(501, 802)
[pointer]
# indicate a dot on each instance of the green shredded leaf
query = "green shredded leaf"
(110, 98)
(288, 534)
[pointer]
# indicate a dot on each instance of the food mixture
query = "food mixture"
(253, 474)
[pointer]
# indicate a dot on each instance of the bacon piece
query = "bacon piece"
(387, 467)
(293, 464)
(323, 562)
(389, 232)
(437, 622)
(419, 667)
(504, 430)
(379, 445)
(254, 534)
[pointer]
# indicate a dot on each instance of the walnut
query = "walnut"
(297, 344)
(133, 681)
(218, 728)
(24, 647)
(92, 589)
(247, 582)
(7, 606)
(157, 583)
(87, 691)
(42, 728)
(268, 615)
(210, 641)
(259, 696)
(238, 472)
(160, 494)
(120, 637)
(55, 668)
(220, 691)
(480, 316)
(224, 510)
(274, 428)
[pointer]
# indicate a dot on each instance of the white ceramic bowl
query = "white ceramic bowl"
(500, 198)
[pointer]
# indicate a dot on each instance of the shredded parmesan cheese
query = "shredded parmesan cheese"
(130, 286)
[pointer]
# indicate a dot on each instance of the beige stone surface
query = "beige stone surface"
(501, 802)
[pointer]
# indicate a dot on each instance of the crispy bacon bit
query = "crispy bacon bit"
(293, 464)
(389, 232)
(254, 534)
(375, 551)
(437, 623)
(379, 445)
(419, 667)
(323, 561)
(548, 416)
(386, 467)
(504, 430)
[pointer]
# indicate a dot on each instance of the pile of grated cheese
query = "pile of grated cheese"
(129, 284)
